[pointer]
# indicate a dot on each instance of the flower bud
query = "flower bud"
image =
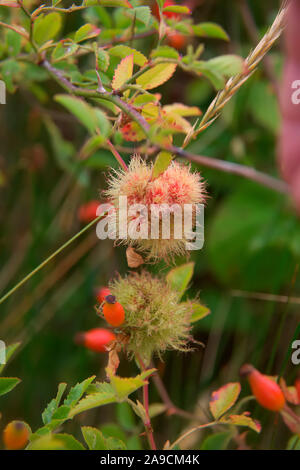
(266, 391)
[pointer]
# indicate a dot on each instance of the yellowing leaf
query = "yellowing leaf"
(224, 398)
(242, 420)
(156, 76)
(87, 31)
(180, 9)
(125, 386)
(124, 51)
(123, 72)
(182, 110)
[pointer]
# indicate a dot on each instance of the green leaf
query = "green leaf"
(13, 42)
(94, 438)
(224, 398)
(217, 441)
(210, 30)
(162, 162)
(124, 51)
(86, 31)
(125, 386)
(156, 76)
(180, 277)
(142, 14)
(54, 404)
(226, 65)
(8, 354)
(103, 396)
(199, 312)
(294, 443)
(103, 59)
(125, 416)
(77, 391)
(166, 52)
(9, 73)
(123, 72)
(242, 420)
(84, 113)
(97, 441)
(7, 384)
(144, 99)
(215, 77)
(263, 105)
(92, 119)
(46, 27)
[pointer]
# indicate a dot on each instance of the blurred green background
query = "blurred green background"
(252, 244)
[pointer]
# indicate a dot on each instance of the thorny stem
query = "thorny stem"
(147, 422)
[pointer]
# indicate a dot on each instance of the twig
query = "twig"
(116, 155)
(171, 408)
(234, 168)
(266, 297)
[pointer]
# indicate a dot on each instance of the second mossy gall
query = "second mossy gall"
(155, 318)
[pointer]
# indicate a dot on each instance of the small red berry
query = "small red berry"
(266, 391)
(16, 435)
(97, 339)
(102, 293)
(176, 40)
(113, 311)
(87, 212)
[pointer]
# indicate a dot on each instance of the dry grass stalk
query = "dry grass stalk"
(235, 82)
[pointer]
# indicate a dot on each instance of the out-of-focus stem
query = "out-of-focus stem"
(147, 422)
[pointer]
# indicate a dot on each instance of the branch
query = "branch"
(234, 168)
(171, 408)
